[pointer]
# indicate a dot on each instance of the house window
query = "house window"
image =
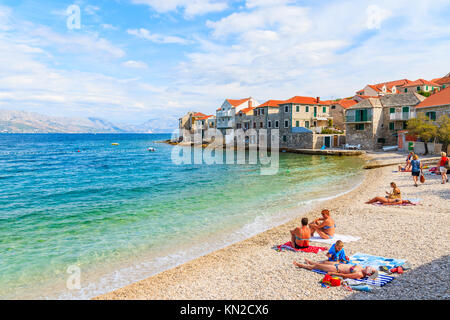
(405, 125)
(359, 126)
(405, 109)
(286, 123)
(307, 124)
(391, 126)
(269, 124)
(324, 109)
(381, 140)
(262, 111)
(418, 88)
(261, 125)
(307, 108)
(277, 124)
(286, 108)
(297, 108)
(297, 123)
(406, 89)
(431, 115)
(239, 126)
(333, 107)
(392, 110)
(254, 125)
(284, 138)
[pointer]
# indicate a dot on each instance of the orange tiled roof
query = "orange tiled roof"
(442, 81)
(247, 110)
(205, 117)
(347, 103)
(438, 99)
(421, 82)
(199, 114)
(271, 103)
(303, 100)
(236, 103)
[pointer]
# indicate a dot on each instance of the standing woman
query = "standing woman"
(443, 164)
(408, 161)
(416, 169)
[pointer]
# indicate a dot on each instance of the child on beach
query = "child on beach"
(443, 166)
(337, 253)
(416, 169)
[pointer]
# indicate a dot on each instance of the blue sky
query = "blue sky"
(133, 60)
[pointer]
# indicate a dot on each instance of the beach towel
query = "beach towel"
(310, 249)
(365, 260)
(336, 237)
(380, 281)
(414, 203)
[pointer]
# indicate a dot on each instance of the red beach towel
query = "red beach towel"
(310, 249)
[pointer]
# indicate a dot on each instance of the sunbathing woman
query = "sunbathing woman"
(325, 229)
(392, 198)
(341, 270)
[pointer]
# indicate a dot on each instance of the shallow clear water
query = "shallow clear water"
(121, 213)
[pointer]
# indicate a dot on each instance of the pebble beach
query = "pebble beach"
(253, 269)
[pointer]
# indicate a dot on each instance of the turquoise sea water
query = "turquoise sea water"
(121, 213)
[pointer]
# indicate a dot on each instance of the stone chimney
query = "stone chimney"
(250, 103)
(318, 100)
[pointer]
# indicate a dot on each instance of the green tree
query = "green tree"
(424, 128)
(443, 130)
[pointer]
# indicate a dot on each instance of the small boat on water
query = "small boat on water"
(114, 144)
(151, 149)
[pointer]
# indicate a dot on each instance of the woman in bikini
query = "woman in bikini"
(394, 197)
(351, 271)
(300, 236)
(325, 229)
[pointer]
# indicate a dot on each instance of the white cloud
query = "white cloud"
(135, 64)
(157, 38)
(191, 7)
(375, 16)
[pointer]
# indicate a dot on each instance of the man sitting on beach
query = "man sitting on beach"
(300, 236)
(325, 229)
(340, 270)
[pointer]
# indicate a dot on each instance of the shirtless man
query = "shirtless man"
(325, 229)
(340, 270)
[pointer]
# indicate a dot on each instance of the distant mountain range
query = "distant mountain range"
(30, 122)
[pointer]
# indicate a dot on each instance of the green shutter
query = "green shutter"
(392, 110)
(298, 108)
(324, 109)
(307, 109)
(297, 123)
(391, 126)
(405, 109)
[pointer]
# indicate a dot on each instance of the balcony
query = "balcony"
(221, 114)
(354, 119)
(224, 124)
(402, 116)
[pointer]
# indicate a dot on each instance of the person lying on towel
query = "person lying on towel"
(324, 226)
(391, 198)
(337, 253)
(300, 236)
(340, 270)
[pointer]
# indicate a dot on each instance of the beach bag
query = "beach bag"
(422, 178)
(331, 281)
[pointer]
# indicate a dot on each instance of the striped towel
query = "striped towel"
(310, 249)
(380, 281)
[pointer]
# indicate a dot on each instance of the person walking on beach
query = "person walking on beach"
(341, 270)
(416, 169)
(408, 161)
(300, 236)
(443, 166)
(325, 229)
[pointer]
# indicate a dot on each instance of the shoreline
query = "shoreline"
(233, 268)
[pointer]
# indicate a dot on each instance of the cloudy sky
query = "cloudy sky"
(133, 60)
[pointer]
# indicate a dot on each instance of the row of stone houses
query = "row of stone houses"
(371, 119)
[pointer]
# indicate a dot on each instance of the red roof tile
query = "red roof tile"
(303, 100)
(442, 81)
(271, 103)
(440, 98)
(247, 110)
(421, 82)
(236, 103)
